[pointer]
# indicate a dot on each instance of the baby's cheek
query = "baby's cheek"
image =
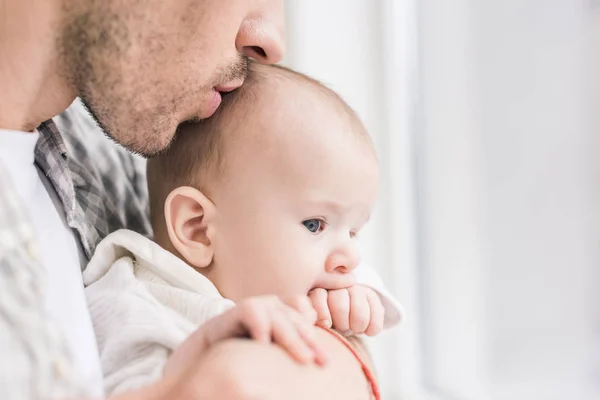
(302, 268)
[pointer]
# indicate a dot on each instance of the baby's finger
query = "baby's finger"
(286, 335)
(303, 305)
(254, 318)
(318, 298)
(223, 326)
(339, 307)
(377, 314)
(360, 314)
(307, 332)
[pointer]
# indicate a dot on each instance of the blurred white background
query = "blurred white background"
(486, 117)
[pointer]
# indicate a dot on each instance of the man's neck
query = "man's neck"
(32, 89)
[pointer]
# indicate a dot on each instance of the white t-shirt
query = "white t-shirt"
(65, 299)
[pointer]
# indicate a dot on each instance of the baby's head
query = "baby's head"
(266, 197)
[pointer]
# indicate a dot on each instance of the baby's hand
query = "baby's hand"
(357, 309)
(268, 319)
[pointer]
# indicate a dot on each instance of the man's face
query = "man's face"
(143, 66)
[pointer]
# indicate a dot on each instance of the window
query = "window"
(485, 117)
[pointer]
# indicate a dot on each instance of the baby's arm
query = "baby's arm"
(140, 340)
(266, 319)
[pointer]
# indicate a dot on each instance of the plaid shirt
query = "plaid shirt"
(102, 188)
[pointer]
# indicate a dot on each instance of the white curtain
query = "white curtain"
(485, 115)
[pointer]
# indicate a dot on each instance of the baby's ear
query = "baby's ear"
(189, 217)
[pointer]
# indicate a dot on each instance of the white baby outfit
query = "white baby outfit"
(145, 301)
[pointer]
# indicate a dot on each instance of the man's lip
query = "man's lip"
(215, 97)
(213, 103)
(227, 87)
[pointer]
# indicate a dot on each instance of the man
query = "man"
(140, 67)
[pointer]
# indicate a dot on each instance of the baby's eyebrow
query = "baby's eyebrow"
(337, 208)
(333, 206)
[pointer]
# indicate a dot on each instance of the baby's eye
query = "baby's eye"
(314, 225)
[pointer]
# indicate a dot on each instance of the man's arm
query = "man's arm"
(250, 370)
(266, 372)
(239, 369)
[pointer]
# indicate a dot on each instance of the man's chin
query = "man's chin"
(144, 144)
(145, 148)
(146, 141)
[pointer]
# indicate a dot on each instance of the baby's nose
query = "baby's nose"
(344, 260)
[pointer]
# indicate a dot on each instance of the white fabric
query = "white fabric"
(144, 301)
(394, 312)
(65, 299)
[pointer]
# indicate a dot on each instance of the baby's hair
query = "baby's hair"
(196, 157)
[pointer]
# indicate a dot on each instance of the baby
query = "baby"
(255, 214)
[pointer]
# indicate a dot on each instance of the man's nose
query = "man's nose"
(261, 35)
(344, 259)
